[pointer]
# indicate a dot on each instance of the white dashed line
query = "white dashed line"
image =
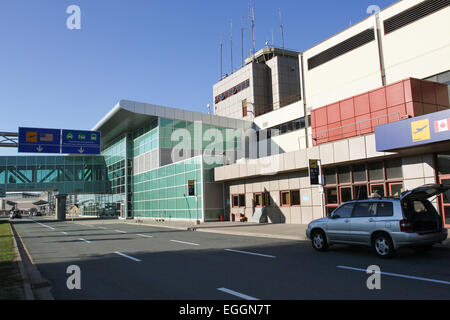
(144, 236)
(397, 275)
(41, 224)
(237, 294)
(251, 253)
(84, 240)
(127, 256)
(188, 243)
(119, 231)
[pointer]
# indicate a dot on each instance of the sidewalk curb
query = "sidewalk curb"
(253, 234)
(26, 286)
(217, 230)
(39, 287)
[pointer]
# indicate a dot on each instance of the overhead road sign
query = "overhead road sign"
(34, 140)
(80, 142)
(431, 128)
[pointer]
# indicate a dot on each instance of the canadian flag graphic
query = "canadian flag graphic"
(441, 126)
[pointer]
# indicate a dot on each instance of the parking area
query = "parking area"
(123, 261)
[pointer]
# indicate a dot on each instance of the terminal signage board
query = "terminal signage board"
(314, 172)
(34, 140)
(80, 142)
(431, 128)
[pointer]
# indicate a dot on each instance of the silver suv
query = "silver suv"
(385, 224)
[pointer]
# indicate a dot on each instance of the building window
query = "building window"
(244, 108)
(261, 199)
(235, 201)
(358, 182)
(258, 199)
(331, 195)
(376, 171)
(238, 200)
(295, 197)
(346, 194)
(285, 199)
(377, 189)
(396, 189)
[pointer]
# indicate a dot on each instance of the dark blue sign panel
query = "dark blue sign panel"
(33, 140)
(434, 127)
(80, 142)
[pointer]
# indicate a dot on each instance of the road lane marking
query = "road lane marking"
(252, 253)
(144, 235)
(119, 231)
(237, 294)
(84, 240)
(41, 224)
(103, 228)
(188, 243)
(64, 233)
(127, 256)
(397, 275)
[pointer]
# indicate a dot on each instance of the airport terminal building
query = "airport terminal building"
(370, 103)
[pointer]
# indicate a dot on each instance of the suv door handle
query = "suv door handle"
(371, 220)
(347, 220)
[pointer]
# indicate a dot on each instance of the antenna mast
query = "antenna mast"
(282, 29)
(231, 40)
(252, 15)
(221, 57)
(242, 40)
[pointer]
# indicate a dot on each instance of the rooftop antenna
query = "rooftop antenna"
(273, 39)
(242, 40)
(221, 57)
(231, 47)
(252, 16)
(282, 29)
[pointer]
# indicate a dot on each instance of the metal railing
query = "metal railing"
(360, 128)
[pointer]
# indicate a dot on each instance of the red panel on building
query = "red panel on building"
(360, 114)
(347, 109)
(377, 99)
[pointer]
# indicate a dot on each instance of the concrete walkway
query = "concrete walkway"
(276, 231)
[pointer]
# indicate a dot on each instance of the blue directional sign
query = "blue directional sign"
(33, 140)
(80, 142)
(431, 128)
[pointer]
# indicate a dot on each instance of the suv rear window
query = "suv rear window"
(373, 209)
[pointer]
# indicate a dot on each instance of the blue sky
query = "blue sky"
(161, 52)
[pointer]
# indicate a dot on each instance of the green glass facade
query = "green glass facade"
(127, 179)
(163, 193)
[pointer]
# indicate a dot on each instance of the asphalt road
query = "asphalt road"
(123, 261)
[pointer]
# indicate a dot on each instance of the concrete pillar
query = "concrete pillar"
(61, 201)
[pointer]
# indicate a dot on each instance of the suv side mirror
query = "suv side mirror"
(333, 216)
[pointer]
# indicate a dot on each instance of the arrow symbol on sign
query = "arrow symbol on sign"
(81, 150)
(39, 149)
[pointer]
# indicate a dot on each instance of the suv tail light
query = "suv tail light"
(406, 226)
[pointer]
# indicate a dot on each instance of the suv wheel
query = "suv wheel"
(319, 241)
(383, 246)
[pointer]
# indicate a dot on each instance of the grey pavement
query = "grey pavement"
(275, 231)
(138, 261)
